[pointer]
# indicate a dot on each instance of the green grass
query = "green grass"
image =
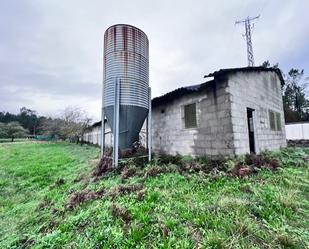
(9, 140)
(265, 210)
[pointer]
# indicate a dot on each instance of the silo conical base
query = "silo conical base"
(131, 119)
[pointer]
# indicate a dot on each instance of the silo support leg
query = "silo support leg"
(102, 133)
(149, 126)
(116, 124)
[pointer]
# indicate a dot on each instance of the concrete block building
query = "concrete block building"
(238, 111)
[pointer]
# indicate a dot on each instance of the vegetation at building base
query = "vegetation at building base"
(51, 198)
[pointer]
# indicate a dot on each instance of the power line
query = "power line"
(264, 5)
(248, 32)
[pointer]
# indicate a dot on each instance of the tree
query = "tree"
(15, 130)
(6, 117)
(296, 105)
(51, 127)
(3, 130)
(295, 101)
(76, 121)
(266, 64)
(28, 119)
(71, 125)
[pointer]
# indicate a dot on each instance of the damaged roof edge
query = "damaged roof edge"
(182, 91)
(98, 123)
(226, 71)
(170, 96)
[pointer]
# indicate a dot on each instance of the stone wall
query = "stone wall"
(213, 135)
(260, 91)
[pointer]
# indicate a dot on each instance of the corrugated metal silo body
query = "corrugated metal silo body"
(126, 61)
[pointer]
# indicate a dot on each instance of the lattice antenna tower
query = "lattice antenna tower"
(248, 32)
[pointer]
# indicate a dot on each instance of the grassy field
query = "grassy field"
(9, 140)
(49, 199)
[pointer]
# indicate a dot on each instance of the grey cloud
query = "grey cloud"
(53, 49)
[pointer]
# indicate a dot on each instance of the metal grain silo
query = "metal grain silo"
(126, 65)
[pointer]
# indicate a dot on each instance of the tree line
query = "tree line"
(70, 125)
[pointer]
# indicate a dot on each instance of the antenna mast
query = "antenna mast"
(248, 30)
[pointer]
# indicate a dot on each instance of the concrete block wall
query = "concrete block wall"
(213, 135)
(168, 133)
(260, 91)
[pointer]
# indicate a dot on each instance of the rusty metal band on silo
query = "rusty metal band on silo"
(126, 59)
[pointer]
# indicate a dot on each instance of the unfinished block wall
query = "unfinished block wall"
(213, 134)
(260, 91)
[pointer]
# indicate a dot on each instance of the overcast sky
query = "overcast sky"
(51, 50)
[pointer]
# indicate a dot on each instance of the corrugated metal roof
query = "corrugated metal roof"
(226, 71)
(98, 123)
(182, 91)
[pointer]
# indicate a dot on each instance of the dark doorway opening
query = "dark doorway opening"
(251, 130)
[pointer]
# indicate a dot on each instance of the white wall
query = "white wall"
(297, 131)
(94, 136)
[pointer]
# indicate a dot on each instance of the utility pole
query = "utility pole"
(248, 30)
